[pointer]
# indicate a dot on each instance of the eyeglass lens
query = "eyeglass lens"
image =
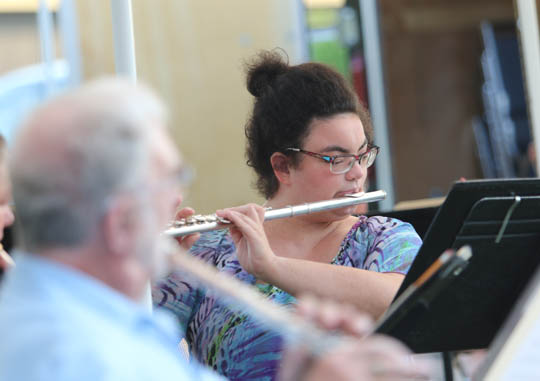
(344, 164)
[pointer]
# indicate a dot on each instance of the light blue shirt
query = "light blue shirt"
(60, 324)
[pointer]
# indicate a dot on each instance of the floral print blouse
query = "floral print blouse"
(236, 345)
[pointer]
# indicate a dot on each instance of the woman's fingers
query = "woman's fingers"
(188, 240)
(253, 250)
(248, 218)
(254, 211)
(249, 227)
(184, 213)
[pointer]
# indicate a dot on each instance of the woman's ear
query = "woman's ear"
(280, 165)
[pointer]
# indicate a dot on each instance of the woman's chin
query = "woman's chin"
(345, 212)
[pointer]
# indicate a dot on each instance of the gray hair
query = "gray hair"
(75, 154)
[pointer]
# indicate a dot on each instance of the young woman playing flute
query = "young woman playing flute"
(308, 139)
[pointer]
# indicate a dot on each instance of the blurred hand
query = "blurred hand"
(334, 316)
(186, 241)
(372, 358)
(252, 247)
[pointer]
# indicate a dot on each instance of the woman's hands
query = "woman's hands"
(253, 250)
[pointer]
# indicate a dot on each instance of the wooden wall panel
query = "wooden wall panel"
(433, 76)
(192, 52)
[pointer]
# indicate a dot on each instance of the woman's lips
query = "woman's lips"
(350, 191)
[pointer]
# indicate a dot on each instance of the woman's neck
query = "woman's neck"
(307, 237)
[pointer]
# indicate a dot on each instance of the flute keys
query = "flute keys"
(199, 219)
(222, 220)
(178, 223)
(191, 220)
(213, 218)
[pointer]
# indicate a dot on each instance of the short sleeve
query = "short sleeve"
(178, 296)
(393, 245)
(181, 295)
(178, 293)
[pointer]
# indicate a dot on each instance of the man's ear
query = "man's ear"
(280, 165)
(119, 227)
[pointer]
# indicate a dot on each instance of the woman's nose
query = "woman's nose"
(356, 172)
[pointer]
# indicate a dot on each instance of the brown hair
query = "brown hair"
(287, 99)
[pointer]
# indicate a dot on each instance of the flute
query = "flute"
(200, 224)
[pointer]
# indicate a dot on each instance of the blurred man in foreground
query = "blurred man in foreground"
(93, 175)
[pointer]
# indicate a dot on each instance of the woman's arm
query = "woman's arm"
(370, 291)
(178, 296)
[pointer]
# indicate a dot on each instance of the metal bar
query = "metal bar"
(377, 98)
(70, 40)
(48, 48)
(124, 41)
(527, 14)
(124, 60)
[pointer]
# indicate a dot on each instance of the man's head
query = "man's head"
(90, 170)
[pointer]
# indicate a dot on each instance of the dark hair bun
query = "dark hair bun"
(264, 70)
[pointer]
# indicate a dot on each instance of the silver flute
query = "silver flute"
(200, 224)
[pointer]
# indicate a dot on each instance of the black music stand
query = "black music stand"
(514, 353)
(500, 220)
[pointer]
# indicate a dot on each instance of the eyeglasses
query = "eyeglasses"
(343, 163)
(179, 180)
(184, 176)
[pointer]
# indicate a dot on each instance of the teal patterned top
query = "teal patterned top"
(234, 344)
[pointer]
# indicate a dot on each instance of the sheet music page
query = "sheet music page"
(519, 358)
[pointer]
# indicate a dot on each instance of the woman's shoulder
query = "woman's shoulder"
(381, 231)
(390, 244)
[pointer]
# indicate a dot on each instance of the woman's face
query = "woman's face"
(6, 214)
(312, 180)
